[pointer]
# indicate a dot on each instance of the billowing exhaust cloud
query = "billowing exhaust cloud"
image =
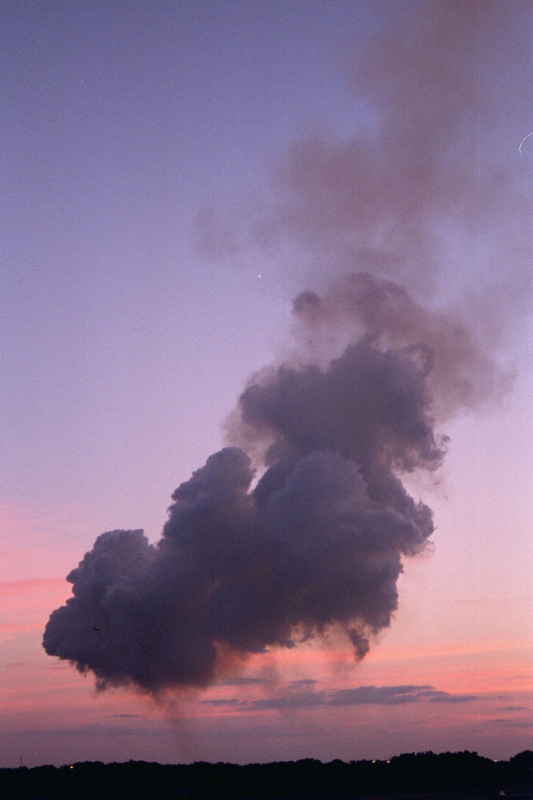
(318, 541)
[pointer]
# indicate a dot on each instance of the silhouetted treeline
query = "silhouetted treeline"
(448, 775)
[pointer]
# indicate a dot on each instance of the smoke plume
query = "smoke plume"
(319, 540)
(432, 191)
(317, 543)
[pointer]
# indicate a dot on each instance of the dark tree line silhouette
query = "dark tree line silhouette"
(411, 775)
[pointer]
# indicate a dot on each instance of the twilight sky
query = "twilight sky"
(174, 175)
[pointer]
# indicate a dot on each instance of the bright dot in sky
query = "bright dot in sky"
(259, 276)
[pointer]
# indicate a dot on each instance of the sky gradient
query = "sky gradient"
(174, 174)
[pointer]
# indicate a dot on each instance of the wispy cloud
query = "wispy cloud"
(505, 722)
(394, 695)
(126, 716)
(306, 698)
(97, 731)
(300, 694)
(239, 681)
(221, 702)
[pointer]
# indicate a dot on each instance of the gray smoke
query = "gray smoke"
(432, 191)
(318, 542)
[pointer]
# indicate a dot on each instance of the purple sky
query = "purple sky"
(165, 195)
